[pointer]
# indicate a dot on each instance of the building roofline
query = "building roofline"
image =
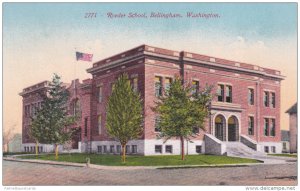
(230, 64)
(292, 109)
(34, 87)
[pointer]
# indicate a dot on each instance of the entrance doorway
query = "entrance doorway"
(233, 129)
(220, 127)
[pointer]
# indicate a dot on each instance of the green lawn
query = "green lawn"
(284, 155)
(171, 160)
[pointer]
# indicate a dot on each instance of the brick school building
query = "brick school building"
(245, 110)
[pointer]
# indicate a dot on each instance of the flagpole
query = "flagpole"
(75, 73)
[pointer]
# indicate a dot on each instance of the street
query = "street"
(31, 174)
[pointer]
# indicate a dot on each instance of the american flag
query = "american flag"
(84, 56)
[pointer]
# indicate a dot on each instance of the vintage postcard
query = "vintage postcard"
(150, 94)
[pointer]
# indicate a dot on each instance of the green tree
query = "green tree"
(124, 113)
(50, 124)
(180, 111)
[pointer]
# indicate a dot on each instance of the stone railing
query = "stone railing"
(213, 145)
(249, 142)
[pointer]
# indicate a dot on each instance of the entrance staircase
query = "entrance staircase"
(238, 149)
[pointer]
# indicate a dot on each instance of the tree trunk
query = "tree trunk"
(7, 147)
(182, 148)
(123, 153)
(36, 149)
(56, 151)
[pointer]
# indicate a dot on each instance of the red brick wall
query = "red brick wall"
(148, 62)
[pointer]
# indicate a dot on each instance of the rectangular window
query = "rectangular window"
(198, 149)
(85, 126)
(266, 127)
(196, 130)
(99, 149)
(169, 149)
(167, 84)
(266, 99)
(266, 149)
(158, 86)
(99, 125)
(104, 149)
(135, 84)
(112, 149)
(229, 94)
(156, 124)
(272, 133)
(220, 92)
(127, 149)
(195, 87)
(250, 125)
(273, 99)
(273, 149)
(134, 149)
(251, 96)
(158, 149)
(100, 94)
(25, 111)
(284, 146)
(25, 150)
(31, 110)
(118, 148)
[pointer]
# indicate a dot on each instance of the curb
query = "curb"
(103, 167)
(45, 162)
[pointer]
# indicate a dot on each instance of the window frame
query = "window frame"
(195, 87)
(100, 94)
(99, 123)
(250, 96)
(85, 126)
(119, 149)
(220, 93)
(266, 149)
(135, 84)
(158, 149)
(228, 99)
(167, 87)
(158, 86)
(197, 149)
(250, 125)
(272, 127)
(266, 99)
(134, 149)
(127, 149)
(266, 127)
(105, 149)
(156, 121)
(273, 100)
(168, 150)
(99, 148)
(112, 149)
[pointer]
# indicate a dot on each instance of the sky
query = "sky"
(40, 39)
